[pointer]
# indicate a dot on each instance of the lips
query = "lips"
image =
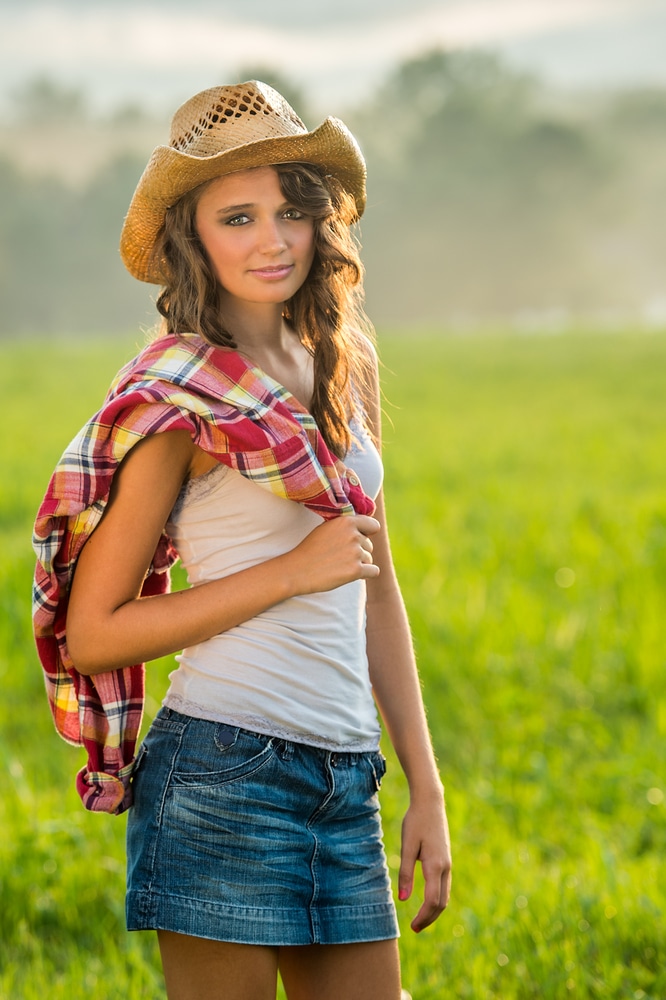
(274, 272)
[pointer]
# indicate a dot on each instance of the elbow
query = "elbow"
(85, 662)
(83, 647)
(89, 669)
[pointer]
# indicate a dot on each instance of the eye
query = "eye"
(237, 220)
(293, 213)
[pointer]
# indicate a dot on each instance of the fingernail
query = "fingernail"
(403, 894)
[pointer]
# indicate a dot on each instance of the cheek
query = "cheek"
(308, 245)
(207, 242)
(214, 237)
(222, 253)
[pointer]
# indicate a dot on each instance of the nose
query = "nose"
(272, 238)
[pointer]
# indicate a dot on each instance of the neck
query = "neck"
(255, 327)
(267, 341)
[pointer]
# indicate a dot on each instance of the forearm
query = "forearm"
(146, 628)
(397, 690)
(110, 626)
(425, 832)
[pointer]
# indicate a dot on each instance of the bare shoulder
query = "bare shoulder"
(365, 347)
(143, 492)
(164, 460)
(368, 387)
(112, 565)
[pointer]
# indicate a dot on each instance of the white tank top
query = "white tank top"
(298, 670)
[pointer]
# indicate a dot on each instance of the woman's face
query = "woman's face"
(259, 245)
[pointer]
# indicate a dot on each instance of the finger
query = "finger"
(426, 916)
(367, 525)
(436, 895)
(428, 913)
(406, 874)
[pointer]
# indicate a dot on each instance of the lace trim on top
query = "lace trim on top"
(198, 487)
(260, 724)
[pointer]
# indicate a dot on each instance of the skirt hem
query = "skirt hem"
(251, 925)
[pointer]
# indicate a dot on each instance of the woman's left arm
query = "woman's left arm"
(395, 681)
(397, 689)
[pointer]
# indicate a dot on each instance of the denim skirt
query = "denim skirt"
(241, 837)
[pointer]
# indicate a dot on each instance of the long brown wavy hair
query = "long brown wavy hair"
(326, 312)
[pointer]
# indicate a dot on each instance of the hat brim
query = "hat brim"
(170, 173)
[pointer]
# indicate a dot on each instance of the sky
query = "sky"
(162, 52)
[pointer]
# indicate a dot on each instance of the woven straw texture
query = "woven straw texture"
(217, 132)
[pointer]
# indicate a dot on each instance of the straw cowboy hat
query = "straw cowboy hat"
(217, 132)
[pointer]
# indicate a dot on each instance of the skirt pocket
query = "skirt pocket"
(213, 753)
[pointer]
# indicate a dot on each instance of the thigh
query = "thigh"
(199, 969)
(352, 971)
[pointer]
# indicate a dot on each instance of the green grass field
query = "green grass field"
(526, 486)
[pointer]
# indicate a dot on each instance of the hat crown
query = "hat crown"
(223, 118)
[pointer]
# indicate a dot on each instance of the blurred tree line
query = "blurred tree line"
(490, 200)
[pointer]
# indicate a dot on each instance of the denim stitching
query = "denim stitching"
(315, 922)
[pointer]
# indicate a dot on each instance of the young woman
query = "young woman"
(245, 439)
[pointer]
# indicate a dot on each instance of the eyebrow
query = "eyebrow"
(243, 208)
(234, 208)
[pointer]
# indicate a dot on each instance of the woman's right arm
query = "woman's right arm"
(109, 625)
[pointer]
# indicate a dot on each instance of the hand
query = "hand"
(425, 838)
(336, 552)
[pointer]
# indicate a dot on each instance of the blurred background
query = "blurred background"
(517, 185)
(516, 150)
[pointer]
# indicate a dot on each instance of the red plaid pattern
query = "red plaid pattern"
(235, 413)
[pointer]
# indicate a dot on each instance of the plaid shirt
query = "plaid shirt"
(232, 411)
